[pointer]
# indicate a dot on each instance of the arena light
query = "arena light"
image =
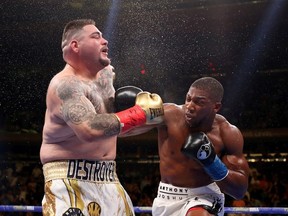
(110, 29)
(256, 47)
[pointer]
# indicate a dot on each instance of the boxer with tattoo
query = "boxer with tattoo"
(79, 135)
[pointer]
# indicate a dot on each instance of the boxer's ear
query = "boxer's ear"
(217, 106)
(74, 45)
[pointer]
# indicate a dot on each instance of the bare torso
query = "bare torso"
(178, 170)
(175, 168)
(60, 141)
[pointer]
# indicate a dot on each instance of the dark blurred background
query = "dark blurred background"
(160, 46)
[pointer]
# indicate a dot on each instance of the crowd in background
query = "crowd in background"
(260, 106)
(21, 183)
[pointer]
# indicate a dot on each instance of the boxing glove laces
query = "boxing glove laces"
(199, 147)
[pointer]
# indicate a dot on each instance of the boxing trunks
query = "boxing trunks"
(176, 201)
(84, 187)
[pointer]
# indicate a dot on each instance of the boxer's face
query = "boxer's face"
(198, 107)
(93, 48)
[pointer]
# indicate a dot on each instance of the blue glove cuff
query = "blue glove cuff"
(217, 170)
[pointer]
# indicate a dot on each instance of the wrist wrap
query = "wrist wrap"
(131, 117)
(217, 170)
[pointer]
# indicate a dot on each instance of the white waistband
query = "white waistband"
(85, 170)
(168, 191)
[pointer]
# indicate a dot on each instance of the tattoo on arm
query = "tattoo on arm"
(77, 109)
(106, 122)
(74, 108)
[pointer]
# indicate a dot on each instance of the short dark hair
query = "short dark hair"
(73, 27)
(212, 86)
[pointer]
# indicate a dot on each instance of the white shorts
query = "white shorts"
(82, 187)
(176, 201)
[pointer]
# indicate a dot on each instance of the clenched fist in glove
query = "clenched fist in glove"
(148, 109)
(199, 147)
(125, 97)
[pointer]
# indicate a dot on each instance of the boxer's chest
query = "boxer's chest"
(102, 97)
(216, 139)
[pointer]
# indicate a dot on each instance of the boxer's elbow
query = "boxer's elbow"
(89, 135)
(86, 137)
(236, 193)
(239, 193)
(241, 184)
(234, 185)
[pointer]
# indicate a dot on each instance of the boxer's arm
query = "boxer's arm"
(236, 183)
(79, 113)
(199, 147)
(231, 171)
(148, 109)
(68, 102)
(146, 128)
(138, 130)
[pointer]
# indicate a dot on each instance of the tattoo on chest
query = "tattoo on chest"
(68, 88)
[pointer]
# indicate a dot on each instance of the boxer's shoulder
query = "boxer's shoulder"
(172, 107)
(173, 113)
(223, 123)
(220, 120)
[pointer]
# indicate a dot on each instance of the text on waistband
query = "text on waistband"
(180, 191)
(91, 170)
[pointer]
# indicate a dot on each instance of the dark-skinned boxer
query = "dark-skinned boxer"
(201, 155)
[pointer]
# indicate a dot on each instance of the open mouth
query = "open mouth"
(105, 51)
(188, 116)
